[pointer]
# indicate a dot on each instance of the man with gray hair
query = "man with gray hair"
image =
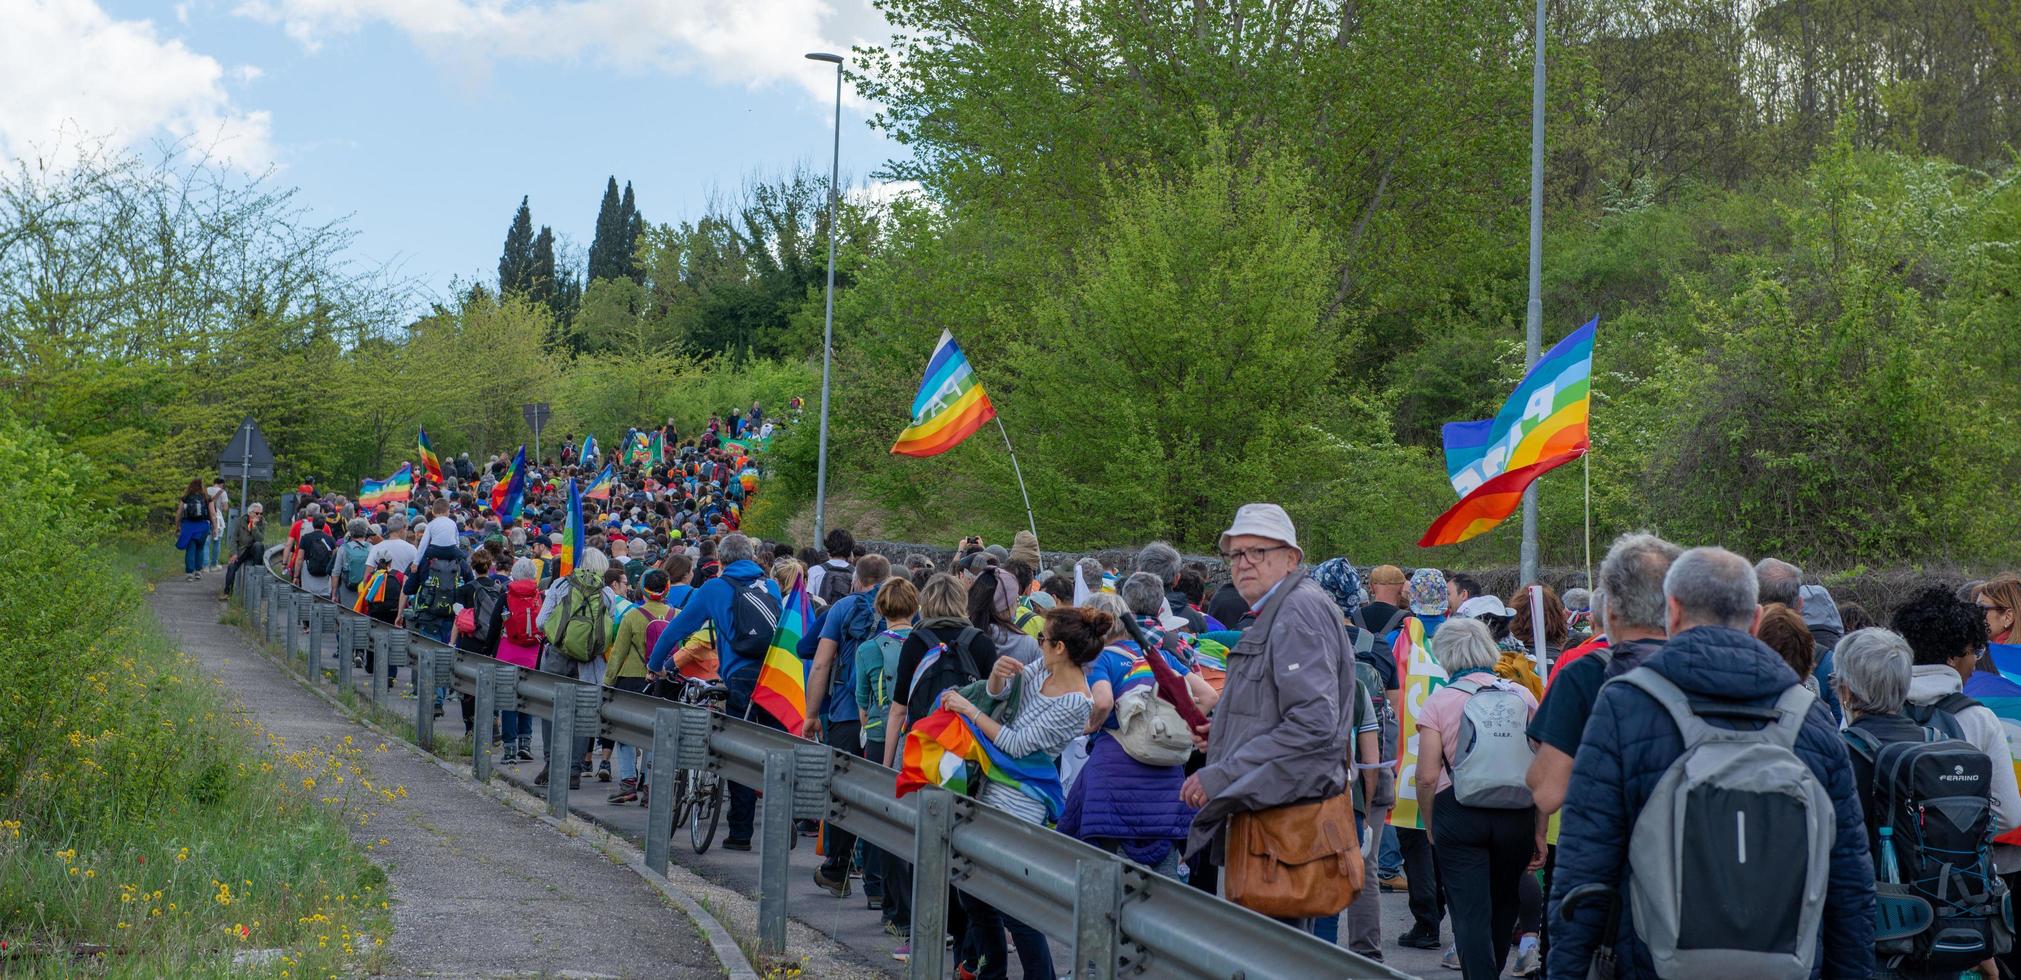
(1778, 581)
(1730, 680)
(1162, 561)
(1280, 738)
(1631, 580)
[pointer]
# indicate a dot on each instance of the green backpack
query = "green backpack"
(585, 615)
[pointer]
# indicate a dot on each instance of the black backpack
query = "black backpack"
(754, 619)
(1944, 913)
(487, 598)
(436, 598)
(836, 583)
(953, 667)
(193, 509)
(319, 553)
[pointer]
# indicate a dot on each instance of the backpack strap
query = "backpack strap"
(1395, 620)
(1863, 743)
(1785, 719)
(1355, 618)
(1942, 714)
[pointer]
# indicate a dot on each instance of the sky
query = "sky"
(421, 123)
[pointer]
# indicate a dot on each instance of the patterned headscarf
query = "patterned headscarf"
(1428, 592)
(1340, 580)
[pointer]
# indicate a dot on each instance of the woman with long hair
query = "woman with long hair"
(193, 529)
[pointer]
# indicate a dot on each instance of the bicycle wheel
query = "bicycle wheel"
(707, 811)
(682, 798)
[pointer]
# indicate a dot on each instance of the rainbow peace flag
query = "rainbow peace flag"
(1542, 425)
(748, 480)
(2003, 695)
(950, 405)
(782, 680)
(374, 590)
(588, 451)
(510, 493)
(572, 535)
(431, 464)
(605, 482)
(1546, 415)
(1421, 675)
(393, 489)
(941, 747)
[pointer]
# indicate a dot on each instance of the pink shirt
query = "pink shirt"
(1442, 713)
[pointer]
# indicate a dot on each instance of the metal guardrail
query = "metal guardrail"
(1120, 918)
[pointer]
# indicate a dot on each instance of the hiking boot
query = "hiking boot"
(834, 884)
(1419, 938)
(736, 845)
(523, 755)
(1395, 883)
(603, 772)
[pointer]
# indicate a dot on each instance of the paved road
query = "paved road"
(479, 889)
(855, 929)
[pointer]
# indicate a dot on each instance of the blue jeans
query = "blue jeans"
(986, 927)
(192, 557)
(214, 550)
(435, 629)
(515, 729)
(1389, 857)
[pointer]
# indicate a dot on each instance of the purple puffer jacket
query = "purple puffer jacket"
(1119, 801)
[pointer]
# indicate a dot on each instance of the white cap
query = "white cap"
(1264, 521)
(1484, 605)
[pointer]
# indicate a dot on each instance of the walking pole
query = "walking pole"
(1031, 521)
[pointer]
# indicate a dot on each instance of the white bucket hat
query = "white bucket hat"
(1263, 521)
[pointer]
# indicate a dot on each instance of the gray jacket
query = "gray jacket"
(1280, 731)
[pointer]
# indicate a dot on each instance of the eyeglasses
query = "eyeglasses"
(1047, 638)
(1986, 607)
(1251, 555)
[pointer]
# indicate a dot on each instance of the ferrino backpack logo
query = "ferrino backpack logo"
(1728, 860)
(1940, 904)
(1493, 755)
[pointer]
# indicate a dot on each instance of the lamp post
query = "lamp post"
(828, 317)
(1533, 319)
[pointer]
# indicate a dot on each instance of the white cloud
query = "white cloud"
(885, 191)
(749, 42)
(69, 73)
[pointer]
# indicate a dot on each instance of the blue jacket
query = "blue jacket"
(711, 604)
(1629, 742)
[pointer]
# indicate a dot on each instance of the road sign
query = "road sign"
(247, 456)
(536, 419)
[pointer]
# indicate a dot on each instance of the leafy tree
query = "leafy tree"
(541, 284)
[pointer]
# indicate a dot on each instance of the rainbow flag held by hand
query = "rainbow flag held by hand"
(606, 481)
(510, 493)
(950, 404)
(782, 679)
(1545, 416)
(572, 535)
(431, 464)
(393, 489)
(1421, 675)
(2002, 694)
(942, 746)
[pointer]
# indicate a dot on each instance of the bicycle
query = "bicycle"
(698, 793)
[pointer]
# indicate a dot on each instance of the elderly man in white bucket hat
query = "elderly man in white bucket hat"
(1278, 746)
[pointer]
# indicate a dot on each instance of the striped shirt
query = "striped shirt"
(1044, 723)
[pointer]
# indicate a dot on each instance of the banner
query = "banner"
(1421, 675)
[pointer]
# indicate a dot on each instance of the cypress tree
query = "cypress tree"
(605, 259)
(541, 285)
(635, 226)
(515, 265)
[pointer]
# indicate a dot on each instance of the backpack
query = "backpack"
(1370, 681)
(887, 646)
(193, 509)
(862, 627)
(944, 666)
(521, 615)
(585, 631)
(1149, 728)
(380, 595)
(319, 553)
(1746, 896)
(835, 584)
(486, 595)
(1493, 753)
(355, 553)
(754, 618)
(436, 598)
(1395, 621)
(1942, 912)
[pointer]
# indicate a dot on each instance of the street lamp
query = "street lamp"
(828, 318)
